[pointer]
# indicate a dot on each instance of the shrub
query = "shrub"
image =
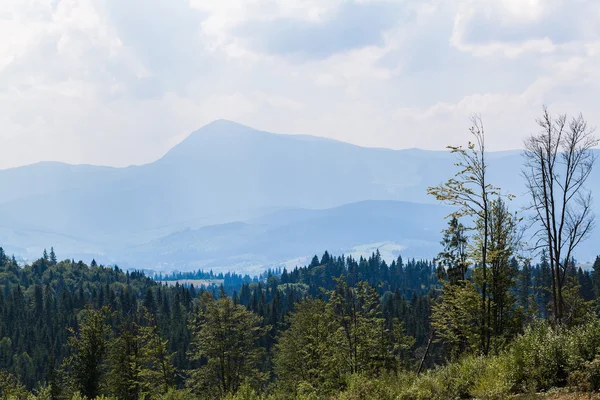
(539, 358)
(245, 392)
(496, 381)
(588, 377)
(174, 394)
(387, 387)
(545, 356)
(582, 344)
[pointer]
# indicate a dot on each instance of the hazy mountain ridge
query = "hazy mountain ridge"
(294, 234)
(223, 173)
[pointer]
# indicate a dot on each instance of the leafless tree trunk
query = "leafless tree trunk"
(558, 162)
(422, 363)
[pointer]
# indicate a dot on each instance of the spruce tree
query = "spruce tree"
(89, 347)
(596, 277)
(53, 260)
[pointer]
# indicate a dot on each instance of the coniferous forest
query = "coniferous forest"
(505, 308)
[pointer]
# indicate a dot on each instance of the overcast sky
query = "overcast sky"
(119, 82)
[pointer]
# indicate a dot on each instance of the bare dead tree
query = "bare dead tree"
(558, 162)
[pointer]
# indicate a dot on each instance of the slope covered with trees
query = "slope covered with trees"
(69, 327)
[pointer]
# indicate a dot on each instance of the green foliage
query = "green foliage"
(313, 336)
(453, 260)
(245, 392)
(89, 350)
(470, 377)
(496, 380)
(576, 310)
(364, 343)
(596, 276)
(386, 387)
(303, 354)
(587, 379)
(456, 317)
(11, 388)
(539, 357)
(226, 338)
(138, 361)
(174, 394)
(544, 356)
(348, 336)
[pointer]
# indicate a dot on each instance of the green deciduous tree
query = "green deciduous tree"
(456, 318)
(226, 343)
(471, 191)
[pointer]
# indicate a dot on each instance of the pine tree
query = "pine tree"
(89, 347)
(363, 343)
(53, 260)
(525, 284)
(453, 259)
(124, 363)
(502, 315)
(304, 350)
(456, 317)
(596, 277)
(157, 374)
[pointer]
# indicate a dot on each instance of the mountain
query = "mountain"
(229, 176)
(410, 229)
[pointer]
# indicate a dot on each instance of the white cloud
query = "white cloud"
(113, 82)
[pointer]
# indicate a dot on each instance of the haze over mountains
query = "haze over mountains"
(233, 198)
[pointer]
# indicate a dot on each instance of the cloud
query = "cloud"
(119, 82)
(165, 36)
(514, 27)
(351, 26)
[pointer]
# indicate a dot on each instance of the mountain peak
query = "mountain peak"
(224, 124)
(214, 135)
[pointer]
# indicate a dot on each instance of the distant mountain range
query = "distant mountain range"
(231, 197)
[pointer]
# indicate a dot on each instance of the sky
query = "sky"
(114, 82)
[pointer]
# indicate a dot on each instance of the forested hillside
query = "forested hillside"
(132, 336)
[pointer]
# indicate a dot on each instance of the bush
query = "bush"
(174, 394)
(588, 378)
(306, 391)
(542, 358)
(387, 387)
(582, 344)
(425, 387)
(545, 357)
(497, 380)
(539, 358)
(472, 376)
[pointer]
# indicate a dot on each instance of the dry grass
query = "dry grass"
(560, 396)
